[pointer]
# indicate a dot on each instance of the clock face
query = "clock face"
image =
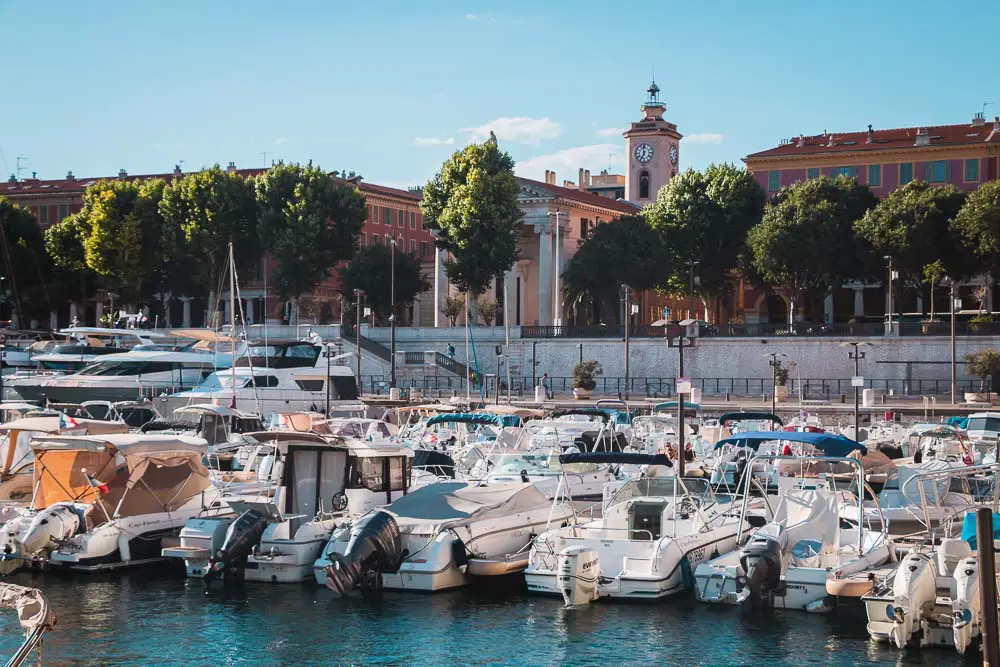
(643, 153)
(673, 154)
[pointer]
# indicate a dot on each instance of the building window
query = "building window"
(63, 211)
(43, 215)
(401, 218)
(644, 185)
(972, 169)
(413, 219)
(938, 171)
(386, 216)
(773, 180)
(388, 240)
(374, 215)
(812, 172)
(850, 172)
(423, 248)
(874, 175)
(413, 246)
(584, 228)
(905, 172)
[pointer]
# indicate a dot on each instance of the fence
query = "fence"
(839, 330)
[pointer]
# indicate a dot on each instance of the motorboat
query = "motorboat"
(654, 530)
(938, 441)
(787, 562)
(439, 537)
(542, 467)
(221, 426)
(932, 597)
(20, 344)
(277, 536)
(87, 345)
(106, 502)
(983, 431)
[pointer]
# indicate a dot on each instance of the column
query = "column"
(859, 301)
(828, 309)
(53, 321)
(440, 288)
(248, 311)
(920, 303)
(72, 314)
(509, 298)
(415, 320)
(227, 312)
(186, 312)
(544, 275)
(98, 313)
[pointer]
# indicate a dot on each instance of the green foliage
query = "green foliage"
(370, 271)
(584, 374)
(308, 223)
(23, 263)
(207, 210)
(804, 243)
(780, 374)
(472, 203)
(983, 364)
(933, 273)
(487, 309)
(704, 217)
(624, 251)
(913, 225)
(978, 226)
(453, 308)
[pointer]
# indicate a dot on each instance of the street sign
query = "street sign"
(858, 381)
(683, 385)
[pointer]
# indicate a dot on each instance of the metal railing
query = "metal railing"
(713, 331)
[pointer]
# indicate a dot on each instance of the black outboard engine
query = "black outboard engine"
(241, 537)
(374, 547)
(761, 561)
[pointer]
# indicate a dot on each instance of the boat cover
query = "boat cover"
(749, 416)
(470, 418)
(831, 445)
(969, 528)
(436, 507)
(616, 457)
(32, 607)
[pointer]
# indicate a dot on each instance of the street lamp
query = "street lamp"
(956, 304)
(558, 317)
(328, 353)
(775, 363)
(629, 309)
(392, 315)
(677, 336)
(892, 276)
(358, 293)
(857, 381)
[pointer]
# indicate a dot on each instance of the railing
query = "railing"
(712, 331)
(449, 364)
(943, 328)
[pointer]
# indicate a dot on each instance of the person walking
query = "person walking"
(451, 351)
(545, 385)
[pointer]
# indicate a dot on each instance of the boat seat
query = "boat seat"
(807, 553)
(949, 553)
(645, 520)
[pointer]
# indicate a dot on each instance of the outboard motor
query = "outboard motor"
(965, 604)
(578, 575)
(761, 561)
(374, 546)
(11, 557)
(913, 588)
(241, 537)
(51, 526)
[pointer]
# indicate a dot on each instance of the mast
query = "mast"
(232, 319)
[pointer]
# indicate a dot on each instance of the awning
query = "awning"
(465, 418)
(749, 416)
(616, 457)
(831, 445)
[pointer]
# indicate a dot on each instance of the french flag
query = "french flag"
(66, 422)
(96, 483)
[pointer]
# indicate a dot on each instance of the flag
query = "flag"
(232, 402)
(96, 483)
(66, 422)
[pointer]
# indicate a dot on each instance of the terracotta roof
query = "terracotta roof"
(389, 192)
(584, 197)
(896, 138)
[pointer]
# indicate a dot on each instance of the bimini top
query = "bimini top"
(523, 413)
(54, 424)
(831, 445)
(129, 444)
(210, 409)
(749, 416)
(689, 408)
(470, 418)
(605, 415)
(617, 457)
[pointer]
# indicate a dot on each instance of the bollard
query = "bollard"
(987, 586)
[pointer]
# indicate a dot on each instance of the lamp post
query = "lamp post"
(628, 310)
(328, 354)
(856, 355)
(691, 264)
(680, 340)
(357, 337)
(775, 363)
(558, 317)
(955, 304)
(888, 258)
(392, 315)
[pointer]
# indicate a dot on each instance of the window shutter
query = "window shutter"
(947, 171)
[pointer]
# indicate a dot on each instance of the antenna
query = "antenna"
(19, 167)
(264, 153)
(985, 104)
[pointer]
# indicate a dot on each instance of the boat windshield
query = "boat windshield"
(533, 464)
(661, 487)
(120, 368)
(984, 424)
(223, 381)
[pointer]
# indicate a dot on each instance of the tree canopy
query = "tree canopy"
(23, 264)
(913, 225)
(472, 203)
(978, 226)
(370, 271)
(804, 242)
(308, 222)
(625, 251)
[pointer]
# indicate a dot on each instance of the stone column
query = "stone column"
(186, 312)
(248, 311)
(920, 303)
(415, 320)
(72, 314)
(509, 298)
(544, 274)
(440, 288)
(828, 309)
(53, 321)
(859, 301)
(98, 313)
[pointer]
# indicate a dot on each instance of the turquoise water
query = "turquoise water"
(159, 618)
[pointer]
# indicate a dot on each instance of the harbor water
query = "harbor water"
(156, 617)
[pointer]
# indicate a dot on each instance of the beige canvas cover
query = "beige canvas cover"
(32, 606)
(450, 504)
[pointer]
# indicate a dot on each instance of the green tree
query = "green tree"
(23, 263)
(472, 203)
(453, 308)
(625, 251)
(72, 279)
(209, 210)
(932, 275)
(913, 225)
(308, 222)
(488, 309)
(370, 271)
(124, 238)
(978, 226)
(805, 242)
(704, 218)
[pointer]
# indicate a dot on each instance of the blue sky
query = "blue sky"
(389, 89)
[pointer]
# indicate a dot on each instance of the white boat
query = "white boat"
(983, 430)
(541, 467)
(219, 425)
(924, 442)
(88, 344)
(653, 533)
(733, 455)
(439, 537)
(109, 500)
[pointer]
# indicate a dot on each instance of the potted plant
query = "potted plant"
(933, 274)
(781, 381)
(584, 374)
(983, 364)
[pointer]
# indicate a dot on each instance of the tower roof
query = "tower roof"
(653, 100)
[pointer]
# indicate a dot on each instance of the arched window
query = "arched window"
(644, 185)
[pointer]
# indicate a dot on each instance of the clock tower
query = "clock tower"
(652, 146)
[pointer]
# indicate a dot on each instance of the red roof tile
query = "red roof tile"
(584, 197)
(903, 137)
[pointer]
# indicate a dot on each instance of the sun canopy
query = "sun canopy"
(210, 409)
(672, 405)
(466, 418)
(957, 422)
(831, 445)
(436, 507)
(616, 457)
(749, 416)
(51, 425)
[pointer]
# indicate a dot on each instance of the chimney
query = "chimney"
(923, 138)
(568, 184)
(870, 138)
(586, 173)
(177, 171)
(579, 179)
(832, 141)
(979, 120)
(12, 179)
(801, 142)
(231, 168)
(550, 178)
(70, 177)
(122, 173)
(996, 123)
(547, 176)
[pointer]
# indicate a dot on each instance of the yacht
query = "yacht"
(87, 345)
(439, 537)
(924, 442)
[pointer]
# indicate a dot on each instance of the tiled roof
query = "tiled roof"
(584, 197)
(389, 192)
(897, 138)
